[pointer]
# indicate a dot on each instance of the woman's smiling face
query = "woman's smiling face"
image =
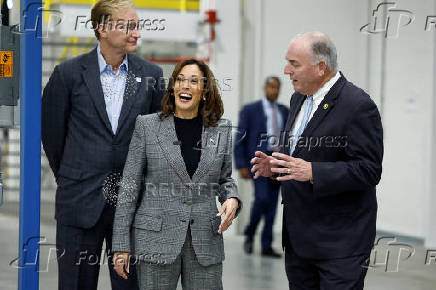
(188, 91)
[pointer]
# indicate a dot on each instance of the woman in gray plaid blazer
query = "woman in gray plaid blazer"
(179, 160)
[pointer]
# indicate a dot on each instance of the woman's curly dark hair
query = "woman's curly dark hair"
(210, 109)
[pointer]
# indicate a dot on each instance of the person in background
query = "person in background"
(183, 156)
(260, 126)
(89, 108)
(329, 170)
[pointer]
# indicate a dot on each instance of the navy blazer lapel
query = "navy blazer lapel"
(130, 91)
(91, 76)
(294, 109)
(324, 108)
(170, 145)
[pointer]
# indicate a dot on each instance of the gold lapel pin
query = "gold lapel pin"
(325, 107)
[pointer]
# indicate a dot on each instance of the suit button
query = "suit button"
(188, 202)
(192, 221)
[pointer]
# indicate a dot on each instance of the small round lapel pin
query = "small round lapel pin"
(325, 107)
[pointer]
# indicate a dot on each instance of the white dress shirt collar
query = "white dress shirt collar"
(103, 65)
(323, 91)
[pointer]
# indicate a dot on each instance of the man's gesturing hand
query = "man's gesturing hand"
(262, 165)
(292, 168)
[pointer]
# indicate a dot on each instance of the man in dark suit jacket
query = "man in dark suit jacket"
(257, 123)
(330, 165)
(89, 108)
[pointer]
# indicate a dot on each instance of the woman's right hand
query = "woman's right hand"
(121, 263)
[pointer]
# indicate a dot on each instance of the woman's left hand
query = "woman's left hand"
(228, 208)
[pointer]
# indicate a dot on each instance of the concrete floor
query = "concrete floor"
(241, 271)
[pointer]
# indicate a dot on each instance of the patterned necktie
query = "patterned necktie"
(275, 128)
(309, 104)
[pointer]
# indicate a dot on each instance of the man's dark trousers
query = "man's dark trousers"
(264, 205)
(84, 256)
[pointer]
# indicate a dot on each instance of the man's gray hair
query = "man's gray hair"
(322, 49)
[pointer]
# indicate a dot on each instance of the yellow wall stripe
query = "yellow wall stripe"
(193, 5)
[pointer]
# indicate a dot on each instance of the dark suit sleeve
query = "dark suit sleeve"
(56, 108)
(158, 92)
(364, 151)
(241, 154)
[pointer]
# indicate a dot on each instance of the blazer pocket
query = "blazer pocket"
(148, 222)
(215, 222)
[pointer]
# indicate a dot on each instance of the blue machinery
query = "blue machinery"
(30, 144)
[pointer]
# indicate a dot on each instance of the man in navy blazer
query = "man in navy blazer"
(257, 123)
(89, 109)
(330, 164)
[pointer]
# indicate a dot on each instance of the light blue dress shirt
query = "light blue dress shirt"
(113, 85)
(267, 109)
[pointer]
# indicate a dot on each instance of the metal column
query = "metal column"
(30, 143)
